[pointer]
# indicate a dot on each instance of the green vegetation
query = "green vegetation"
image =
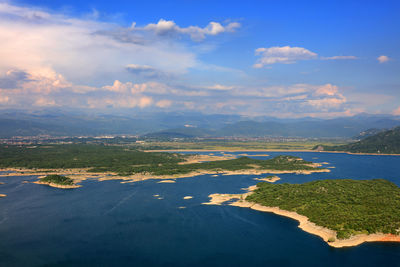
(347, 206)
(57, 179)
(224, 145)
(101, 158)
(125, 161)
(387, 142)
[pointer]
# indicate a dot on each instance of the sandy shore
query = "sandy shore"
(79, 175)
(255, 155)
(266, 150)
(58, 185)
(187, 197)
(166, 181)
(326, 234)
(203, 158)
(272, 179)
(3, 195)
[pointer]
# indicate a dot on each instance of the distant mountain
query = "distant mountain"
(185, 125)
(333, 128)
(61, 123)
(347, 127)
(386, 142)
(184, 132)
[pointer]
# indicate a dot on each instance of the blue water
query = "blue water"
(113, 224)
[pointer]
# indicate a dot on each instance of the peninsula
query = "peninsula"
(342, 212)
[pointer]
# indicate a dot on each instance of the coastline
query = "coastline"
(266, 150)
(304, 223)
(58, 185)
(79, 175)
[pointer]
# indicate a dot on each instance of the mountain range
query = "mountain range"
(188, 125)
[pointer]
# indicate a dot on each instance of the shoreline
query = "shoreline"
(58, 185)
(80, 175)
(304, 223)
(266, 150)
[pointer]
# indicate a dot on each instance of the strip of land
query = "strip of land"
(58, 185)
(328, 235)
(103, 163)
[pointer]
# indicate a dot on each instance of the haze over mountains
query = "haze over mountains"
(188, 125)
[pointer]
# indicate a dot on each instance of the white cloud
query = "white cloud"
(219, 87)
(80, 49)
(165, 103)
(44, 102)
(4, 98)
(284, 54)
(340, 58)
(383, 59)
(169, 27)
(396, 112)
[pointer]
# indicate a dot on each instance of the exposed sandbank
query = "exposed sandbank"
(203, 158)
(255, 155)
(81, 174)
(267, 150)
(58, 185)
(272, 179)
(3, 195)
(167, 181)
(187, 197)
(326, 234)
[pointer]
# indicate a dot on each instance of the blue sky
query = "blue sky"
(272, 58)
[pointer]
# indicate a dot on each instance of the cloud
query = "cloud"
(12, 78)
(164, 103)
(383, 59)
(396, 112)
(219, 87)
(4, 99)
(44, 102)
(170, 28)
(284, 55)
(340, 58)
(34, 39)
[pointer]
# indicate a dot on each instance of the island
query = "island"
(342, 212)
(58, 181)
(269, 179)
(80, 162)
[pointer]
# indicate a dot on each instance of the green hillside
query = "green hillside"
(387, 142)
(347, 206)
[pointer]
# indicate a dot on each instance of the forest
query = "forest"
(347, 206)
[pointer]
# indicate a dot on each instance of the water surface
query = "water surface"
(113, 224)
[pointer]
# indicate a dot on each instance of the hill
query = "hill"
(386, 142)
(348, 207)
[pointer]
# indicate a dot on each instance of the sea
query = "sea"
(147, 223)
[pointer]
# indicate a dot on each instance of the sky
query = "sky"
(285, 59)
